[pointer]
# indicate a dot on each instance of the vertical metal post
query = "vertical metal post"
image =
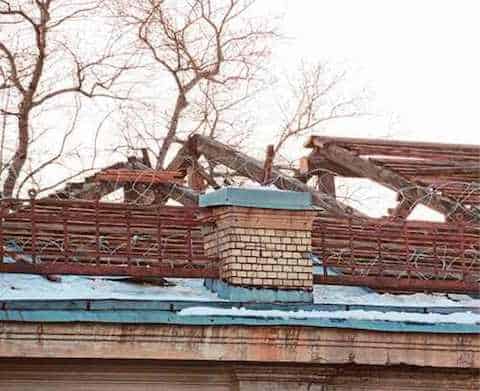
(66, 244)
(379, 249)
(32, 193)
(462, 248)
(97, 230)
(323, 251)
(159, 236)
(189, 235)
(435, 254)
(1, 231)
(407, 250)
(352, 256)
(129, 243)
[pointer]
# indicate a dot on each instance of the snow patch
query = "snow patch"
(334, 294)
(33, 287)
(457, 318)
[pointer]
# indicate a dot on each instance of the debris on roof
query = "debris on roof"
(73, 231)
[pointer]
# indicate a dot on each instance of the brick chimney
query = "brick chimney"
(263, 241)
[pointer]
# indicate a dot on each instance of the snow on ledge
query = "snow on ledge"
(457, 318)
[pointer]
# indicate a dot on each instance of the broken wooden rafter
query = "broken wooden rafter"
(315, 164)
(408, 189)
(89, 189)
(165, 191)
(146, 158)
(254, 169)
(181, 160)
(403, 208)
(412, 149)
(454, 180)
(472, 170)
(268, 165)
(181, 194)
(139, 176)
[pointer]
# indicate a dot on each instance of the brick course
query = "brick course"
(262, 248)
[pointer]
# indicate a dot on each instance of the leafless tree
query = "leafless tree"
(39, 65)
(211, 50)
(317, 97)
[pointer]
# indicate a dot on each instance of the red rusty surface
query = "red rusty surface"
(398, 255)
(451, 169)
(99, 238)
(139, 176)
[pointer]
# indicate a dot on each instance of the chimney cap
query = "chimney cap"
(257, 198)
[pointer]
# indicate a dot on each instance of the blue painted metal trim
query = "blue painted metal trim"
(156, 305)
(157, 312)
(258, 295)
(168, 317)
(268, 199)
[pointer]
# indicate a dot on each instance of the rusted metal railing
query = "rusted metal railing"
(398, 255)
(98, 238)
(47, 236)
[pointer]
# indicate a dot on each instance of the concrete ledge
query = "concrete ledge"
(257, 295)
(237, 343)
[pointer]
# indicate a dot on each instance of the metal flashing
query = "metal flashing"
(257, 198)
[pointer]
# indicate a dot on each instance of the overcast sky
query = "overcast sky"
(420, 59)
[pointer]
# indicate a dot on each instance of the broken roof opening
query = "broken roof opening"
(72, 231)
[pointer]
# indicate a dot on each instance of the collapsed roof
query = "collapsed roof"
(389, 253)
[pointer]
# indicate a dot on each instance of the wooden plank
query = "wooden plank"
(408, 189)
(395, 147)
(139, 176)
(268, 165)
(403, 209)
(253, 169)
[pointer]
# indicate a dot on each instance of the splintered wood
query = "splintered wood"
(445, 177)
(139, 176)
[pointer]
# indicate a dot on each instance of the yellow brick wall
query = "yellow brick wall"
(262, 257)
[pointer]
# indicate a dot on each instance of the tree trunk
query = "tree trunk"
(180, 104)
(20, 155)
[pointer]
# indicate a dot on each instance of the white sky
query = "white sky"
(420, 58)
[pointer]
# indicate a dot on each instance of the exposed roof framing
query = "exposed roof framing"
(412, 149)
(90, 188)
(144, 176)
(441, 176)
(254, 169)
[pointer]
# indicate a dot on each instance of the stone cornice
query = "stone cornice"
(237, 343)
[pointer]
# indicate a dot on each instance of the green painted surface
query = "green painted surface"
(253, 198)
(167, 312)
(168, 317)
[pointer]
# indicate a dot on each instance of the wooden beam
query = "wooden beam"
(89, 189)
(195, 179)
(146, 158)
(408, 189)
(164, 191)
(181, 194)
(139, 176)
(181, 160)
(399, 148)
(253, 169)
(317, 164)
(403, 209)
(268, 165)
(469, 169)
(326, 183)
